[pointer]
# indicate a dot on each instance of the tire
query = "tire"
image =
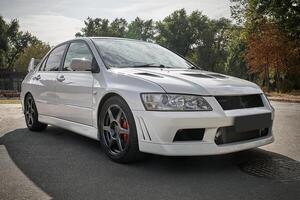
(114, 142)
(31, 115)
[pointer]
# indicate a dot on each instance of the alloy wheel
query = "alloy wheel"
(116, 129)
(29, 111)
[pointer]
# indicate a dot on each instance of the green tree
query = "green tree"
(3, 41)
(37, 50)
(99, 27)
(13, 43)
(210, 42)
(95, 27)
(253, 15)
(285, 14)
(197, 37)
(235, 64)
(141, 29)
(175, 32)
(118, 28)
(138, 29)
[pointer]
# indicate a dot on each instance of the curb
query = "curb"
(284, 100)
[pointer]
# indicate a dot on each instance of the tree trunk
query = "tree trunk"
(277, 80)
(267, 82)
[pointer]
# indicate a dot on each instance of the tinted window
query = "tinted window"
(78, 51)
(42, 66)
(54, 59)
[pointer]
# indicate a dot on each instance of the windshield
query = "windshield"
(123, 53)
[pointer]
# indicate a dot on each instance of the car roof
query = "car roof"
(93, 38)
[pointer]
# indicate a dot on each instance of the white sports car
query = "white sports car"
(137, 97)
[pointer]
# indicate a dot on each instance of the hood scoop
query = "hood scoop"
(217, 76)
(148, 74)
(197, 75)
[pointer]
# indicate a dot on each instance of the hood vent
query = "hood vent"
(217, 76)
(197, 75)
(148, 74)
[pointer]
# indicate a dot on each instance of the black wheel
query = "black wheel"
(118, 135)
(31, 115)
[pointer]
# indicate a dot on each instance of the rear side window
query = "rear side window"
(78, 51)
(54, 59)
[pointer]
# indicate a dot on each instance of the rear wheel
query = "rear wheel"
(118, 135)
(31, 115)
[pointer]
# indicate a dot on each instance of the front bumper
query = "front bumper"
(156, 130)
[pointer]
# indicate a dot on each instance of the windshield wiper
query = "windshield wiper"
(151, 65)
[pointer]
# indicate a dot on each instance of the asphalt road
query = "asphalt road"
(58, 164)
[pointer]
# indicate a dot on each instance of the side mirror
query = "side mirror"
(32, 64)
(79, 64)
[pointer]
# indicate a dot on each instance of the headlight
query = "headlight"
(174, 102)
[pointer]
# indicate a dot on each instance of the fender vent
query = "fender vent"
(144, 129)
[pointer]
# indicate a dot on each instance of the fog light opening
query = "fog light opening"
(189, 135)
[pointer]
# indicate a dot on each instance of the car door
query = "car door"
(45, 82)
(75, 86)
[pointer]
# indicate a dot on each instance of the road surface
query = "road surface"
(58, 164)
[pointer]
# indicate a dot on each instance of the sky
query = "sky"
(54, 21)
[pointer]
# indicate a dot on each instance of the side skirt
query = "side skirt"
(81, 129)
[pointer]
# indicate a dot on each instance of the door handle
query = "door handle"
(38, 77)
(61, 78)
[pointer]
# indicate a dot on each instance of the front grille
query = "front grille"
(227, 135)
(240, 102)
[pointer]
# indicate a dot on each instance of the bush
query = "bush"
(286, 86)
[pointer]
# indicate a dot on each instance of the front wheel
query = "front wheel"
(31, 115)
(118, 135)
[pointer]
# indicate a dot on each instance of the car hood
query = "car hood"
(192, 81)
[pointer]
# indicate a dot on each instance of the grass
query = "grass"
(287, 97)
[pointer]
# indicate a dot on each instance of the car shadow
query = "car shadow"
(64, 164)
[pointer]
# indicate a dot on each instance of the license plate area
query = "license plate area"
(252, 122)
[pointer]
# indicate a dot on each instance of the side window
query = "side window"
(42, 66)
(54, 59)
(78, 58)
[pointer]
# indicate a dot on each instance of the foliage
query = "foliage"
(137, 29)
(118, 27)
(262, 44)
(267, 51)
(37, 50)
(285, 14)
(141, 29)
(194, 36)
(13, 43)
(235, 64)
(211, 41)
(95, 27)
(175, 32)
(271, 32)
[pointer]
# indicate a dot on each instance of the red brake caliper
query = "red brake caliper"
(124, 124)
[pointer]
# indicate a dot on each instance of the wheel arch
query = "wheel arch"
(101, 103)
(25, 96)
